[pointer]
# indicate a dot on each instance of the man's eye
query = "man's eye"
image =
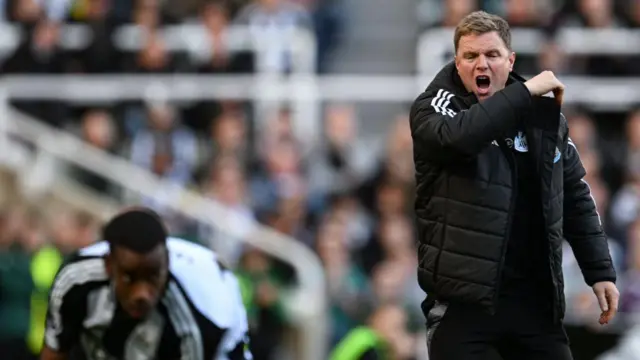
(126, 278)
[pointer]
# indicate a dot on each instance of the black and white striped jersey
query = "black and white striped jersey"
(200, 316)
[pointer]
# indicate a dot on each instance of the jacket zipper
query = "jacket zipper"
(555, 297)
(505, 243)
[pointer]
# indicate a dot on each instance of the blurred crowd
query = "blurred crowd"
(349, 198)
(550, 16)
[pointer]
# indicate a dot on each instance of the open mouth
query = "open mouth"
(483, 82)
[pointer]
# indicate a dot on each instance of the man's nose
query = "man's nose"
(143, 293)
(481, 63)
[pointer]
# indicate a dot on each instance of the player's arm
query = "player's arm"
(442, 131)
(64, 319)
(235, 344)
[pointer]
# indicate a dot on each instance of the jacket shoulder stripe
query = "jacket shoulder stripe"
(441, 103)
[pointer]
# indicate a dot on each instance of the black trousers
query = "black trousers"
(516, 332)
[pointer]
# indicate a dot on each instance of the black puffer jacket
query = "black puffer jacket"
(465, 190)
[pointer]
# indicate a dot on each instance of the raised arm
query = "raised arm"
(439, 126)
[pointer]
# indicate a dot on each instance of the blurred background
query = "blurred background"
(276, 132)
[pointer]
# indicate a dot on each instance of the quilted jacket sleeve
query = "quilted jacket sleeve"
(582, 226)
(438, 125)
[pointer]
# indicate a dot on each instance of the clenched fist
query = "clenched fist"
(545, 82)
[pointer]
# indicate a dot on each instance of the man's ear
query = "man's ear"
(512, 60)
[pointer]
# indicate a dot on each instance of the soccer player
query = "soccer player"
(140, 295)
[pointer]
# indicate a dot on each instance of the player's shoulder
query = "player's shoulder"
(188, 256)
(209, 285)
(79, 271)
(85, 260)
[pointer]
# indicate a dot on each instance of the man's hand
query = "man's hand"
(608, 296)
(545, 82)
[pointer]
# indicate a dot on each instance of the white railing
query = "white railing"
(306, 303)
(601, 91)
(436, 45)
(38, 174)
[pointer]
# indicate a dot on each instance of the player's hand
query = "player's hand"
(608, 296)
(544, 83)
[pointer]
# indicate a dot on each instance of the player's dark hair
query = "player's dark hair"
(140, 230)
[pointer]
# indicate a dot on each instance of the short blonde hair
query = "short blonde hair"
(480, 22)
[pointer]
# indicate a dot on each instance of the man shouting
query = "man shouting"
(499, 188)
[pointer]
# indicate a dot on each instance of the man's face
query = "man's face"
(483, 63)
(139, 279)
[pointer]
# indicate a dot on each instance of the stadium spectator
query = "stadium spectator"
(384, 337)
(625, 207)
(97, 129)
(263, 283)
(16, 284)
(346, 282)
(226, 184)
(40, 53)
(271, 21)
